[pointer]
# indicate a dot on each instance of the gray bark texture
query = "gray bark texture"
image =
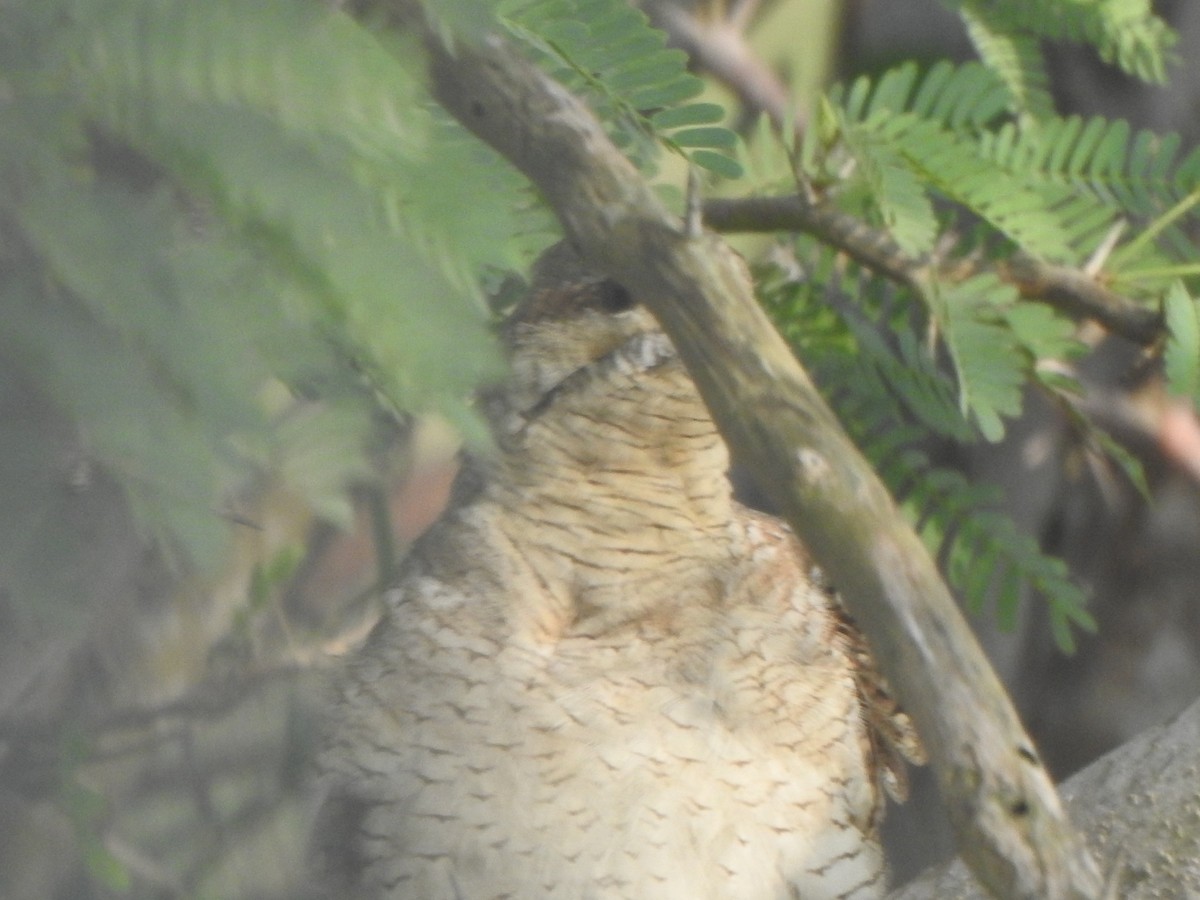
(1139, 807)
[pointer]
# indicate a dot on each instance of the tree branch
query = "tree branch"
(1077, 293)
(999, 796)
(718, 46)
(1062, 287)
(872, 247)
(1138, 804)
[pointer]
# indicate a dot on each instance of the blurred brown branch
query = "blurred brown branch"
(715, 42)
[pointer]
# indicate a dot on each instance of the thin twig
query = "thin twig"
(719, 48)
(1069, 289)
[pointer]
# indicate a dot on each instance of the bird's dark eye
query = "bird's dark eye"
(613, 298)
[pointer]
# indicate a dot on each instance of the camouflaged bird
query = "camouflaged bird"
(600, 676)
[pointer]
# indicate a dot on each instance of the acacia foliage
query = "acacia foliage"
(240, 240)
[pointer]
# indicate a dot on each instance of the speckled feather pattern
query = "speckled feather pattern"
(599, 676)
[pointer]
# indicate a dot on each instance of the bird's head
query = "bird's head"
(571, 319)
(595, 386)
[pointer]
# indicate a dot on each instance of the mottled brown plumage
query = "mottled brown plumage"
(599, 675)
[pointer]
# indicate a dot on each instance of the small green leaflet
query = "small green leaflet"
(692, 114)
(988, 359)
(1181, 356)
